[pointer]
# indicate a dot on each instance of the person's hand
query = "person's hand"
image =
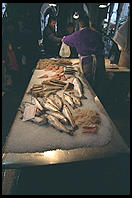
(62, 38)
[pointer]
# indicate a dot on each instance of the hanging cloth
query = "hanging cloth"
(91, 66)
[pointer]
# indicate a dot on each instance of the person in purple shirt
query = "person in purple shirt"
(90, 48)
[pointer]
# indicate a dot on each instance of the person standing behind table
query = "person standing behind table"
(70, 30)
(89, 45)
(51, 41)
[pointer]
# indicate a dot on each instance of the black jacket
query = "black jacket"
(51, 42)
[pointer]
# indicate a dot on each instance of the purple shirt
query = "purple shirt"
(86, 42)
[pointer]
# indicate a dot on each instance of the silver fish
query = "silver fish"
(51, 84)
(78, 87)
(58, 125)
(51, 88)
(58, 82)
(69, 100)
(49, 100)
(49, 106)
(58, 101)
(67, 113)
(58, 115)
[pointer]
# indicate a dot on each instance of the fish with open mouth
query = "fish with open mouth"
(58, 125)
(67, 113)
(78, 87)
(69, 100)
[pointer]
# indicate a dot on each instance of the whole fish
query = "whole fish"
(58, 125)
(51, 83)
(78, 87)
(58, 115)
(51, 88)
(67, 113)
(58, 100)
(58, 82)
(69, 100)
(50, 106)
(49, 100)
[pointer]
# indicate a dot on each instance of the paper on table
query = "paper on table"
(29, 112)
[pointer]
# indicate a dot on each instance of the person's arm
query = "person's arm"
(48, 35)
(54, 38)
(69, 40)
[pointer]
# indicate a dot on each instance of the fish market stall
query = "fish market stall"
(60, 119)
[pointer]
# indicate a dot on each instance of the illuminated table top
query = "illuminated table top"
(116, 145)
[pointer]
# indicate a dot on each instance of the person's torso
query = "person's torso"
(88, 42)
(49, 45)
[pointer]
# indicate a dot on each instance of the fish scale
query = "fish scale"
(58, 115)
(67, 113)
(78, 87)
(69, 100)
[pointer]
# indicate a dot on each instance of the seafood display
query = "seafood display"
(58, 125)
(46, 63)
(88, 120)
(76, 100)
(70, 70)
(66, 111)
(48, 87)
(58, 102)
(52, 112)
(58, 115)
(78, 87)
(69, 100)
